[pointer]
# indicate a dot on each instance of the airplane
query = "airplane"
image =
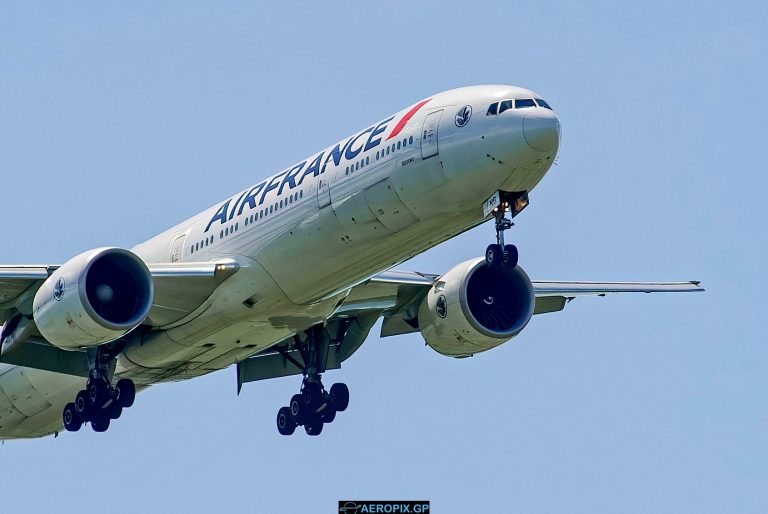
(288, 276)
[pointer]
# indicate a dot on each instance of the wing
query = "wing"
(552, 296)
(180, 288)
(18, 285)
(396, 296)
(405, 290)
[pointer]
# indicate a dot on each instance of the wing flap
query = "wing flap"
(570, 289)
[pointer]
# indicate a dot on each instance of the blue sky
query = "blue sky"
(117, 121)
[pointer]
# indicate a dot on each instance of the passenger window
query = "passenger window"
(367, 161)
(525, 103)
(410, 140)
(398, 145)
(387, 150)
(505, 105)
(492, 109)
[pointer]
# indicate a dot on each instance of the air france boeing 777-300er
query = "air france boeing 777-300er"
(287, 277)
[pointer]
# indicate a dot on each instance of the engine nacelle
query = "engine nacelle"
(474, 308)
(94, 298)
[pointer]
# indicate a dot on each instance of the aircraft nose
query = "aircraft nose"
(542, 130)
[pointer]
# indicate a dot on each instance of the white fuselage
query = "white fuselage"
(304, 237)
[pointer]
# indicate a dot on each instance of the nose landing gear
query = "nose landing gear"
(500, 254)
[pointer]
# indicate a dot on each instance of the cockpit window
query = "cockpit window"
(526, 102)
(505, 105)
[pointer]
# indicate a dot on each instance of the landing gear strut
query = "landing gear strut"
(100, 402)
(500, 254)
(314, 406)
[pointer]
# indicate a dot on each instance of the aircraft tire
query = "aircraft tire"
(83, 405)
(286, 424)
(296, 407)
(493, 255)
(114, 410)
(328, 414)
(72, 421)
(100, 422)
(339, 396)
(312, 395)
(98, 392)
(126, 392)
(510, 257)
(313, 426)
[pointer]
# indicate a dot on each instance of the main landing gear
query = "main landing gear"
(500, 254)
(313, 406)
(100, 402)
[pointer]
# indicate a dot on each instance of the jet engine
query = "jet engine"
(94, 298)
(475, 307)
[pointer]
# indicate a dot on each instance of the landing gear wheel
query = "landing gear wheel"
(72, 421)
(313, 426)
(510, 256)
(98, 392)
(286, 423)
(83, 406)
(339, 397)
(100, 422)
(493, 255)
(126, 392)
(296, 407)
(114, 410)
(312, 395)
(328, 414)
